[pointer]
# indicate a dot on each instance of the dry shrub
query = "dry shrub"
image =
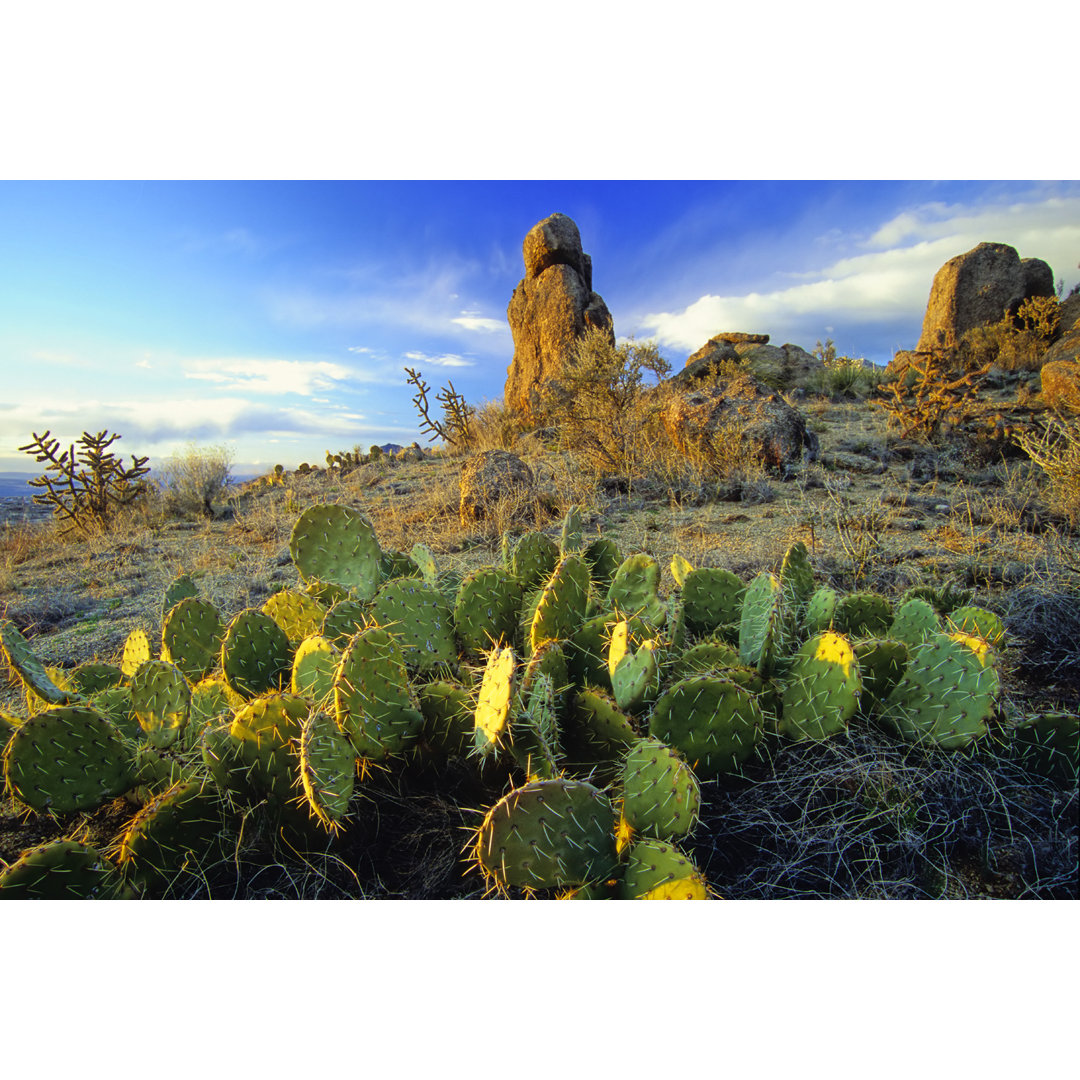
(931, 396)
(192, 480)
(493, 426)
(842, 376)
(1057, 452)
(1016, 343)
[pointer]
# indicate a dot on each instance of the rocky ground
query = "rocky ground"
(875, 512)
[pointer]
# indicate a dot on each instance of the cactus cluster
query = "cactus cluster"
(559, 674)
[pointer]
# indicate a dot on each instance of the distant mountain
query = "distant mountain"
(15, 485)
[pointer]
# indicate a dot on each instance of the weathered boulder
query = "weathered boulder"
(978, 288)
(736, 337)
(704, 417)
(495, 477)
(699, 364)
(782, 368)
(551, 308)
(413, 452)
(1061, 382)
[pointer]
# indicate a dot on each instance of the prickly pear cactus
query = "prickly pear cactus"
(161, 701)
(821, 689)
(337, 544)
(915, 620)
(534, 559)
(661, 796)
(297, 613)
(66, 758)
(373, 701)
(327, 769)
(492, 715)
(820, 609)
(256, 657)
(573, 528)
(946, 694)
(421, 618)
(560, 609)
(712, 722)
(712, 600)
(448, 711)
(760, 630)
(978, 622)
(634, 590)
(547, 834)
(486, 609)
(658, 870)
(345, 618)
(863, 614)
(881, 664)
(314, 665)
(180, 588)
(22, 660)
(598, 730)
(94, 677)
(634, 673)
(136, 652)
(264, 735)
(61, 870)
(604, 559)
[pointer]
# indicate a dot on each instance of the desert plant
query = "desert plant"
(601, 403)
(90, 484)
(930, 395)
(1057, 452)
(1017, 342)
(455, 427)
(842, 376)
(192, 479)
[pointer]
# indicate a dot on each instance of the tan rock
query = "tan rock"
(704, 419)
(551, 308)
(496, 477)
(979, 288)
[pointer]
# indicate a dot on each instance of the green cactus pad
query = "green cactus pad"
(1050, 744)
(373, 701)
(978, 622)
(634, 590)
(634, 674)
(256, 657)
(760, 631)
(714, 723)
(396, 564)
(161, 701)
(424, 560)
(61, 870)
(265, 734)
(327, 769)
(946, 694)
(345, 618)
(797, 579)
(337, 544)
(314, 665)
(821, 689)
(172, 838)
(179, 589)
(536, 746)
(862, 614)
(421, 618)
(820, 609)
(680, 569)
(66, 758)
(915, 620)
(298, 614)
(571, 539)
(22, 661)
(657, 870)
(548, 834)
(706, 657)
(661, 796)
(712, 600)
(210, 699)
(604, 559)
(560, 609)
(136, 652)
(486, 609)
(881, 663)
(533, 560)
(93, 677)
(449, 716)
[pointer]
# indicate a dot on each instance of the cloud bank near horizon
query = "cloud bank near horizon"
(886, 286)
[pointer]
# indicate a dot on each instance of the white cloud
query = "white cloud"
(472, 320)
(887, 287)
(256, 376)
(449, 360)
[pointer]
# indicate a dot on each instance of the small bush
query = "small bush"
(1016, 343)
(1057, 453)
(494, 427)
(842, 376)
(603, 405)
(931, 396)
(192, 480)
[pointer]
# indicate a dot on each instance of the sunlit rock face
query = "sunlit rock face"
(551, 308)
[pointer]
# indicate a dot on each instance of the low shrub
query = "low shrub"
(192, 480)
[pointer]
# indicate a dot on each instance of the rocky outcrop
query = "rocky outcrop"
(551, 308)
(978, 288)
(781, 368)
(496, 477)
(735, 416)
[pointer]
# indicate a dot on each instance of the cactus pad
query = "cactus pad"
(661, 796)
(161, 701)
(657, 870)
(256, 657)
(337, 544)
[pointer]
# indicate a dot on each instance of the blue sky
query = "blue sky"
(276, 317)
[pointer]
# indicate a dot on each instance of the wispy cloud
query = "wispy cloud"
(887, 287)
(448, 360)
(473, 320)
(257, 376)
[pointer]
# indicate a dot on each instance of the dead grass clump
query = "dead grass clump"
(866, 817)
(493, 426)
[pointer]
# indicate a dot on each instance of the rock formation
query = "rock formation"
(705, 414)
(493, 477)
(551, 308)
(781, 368)
(979, 288)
